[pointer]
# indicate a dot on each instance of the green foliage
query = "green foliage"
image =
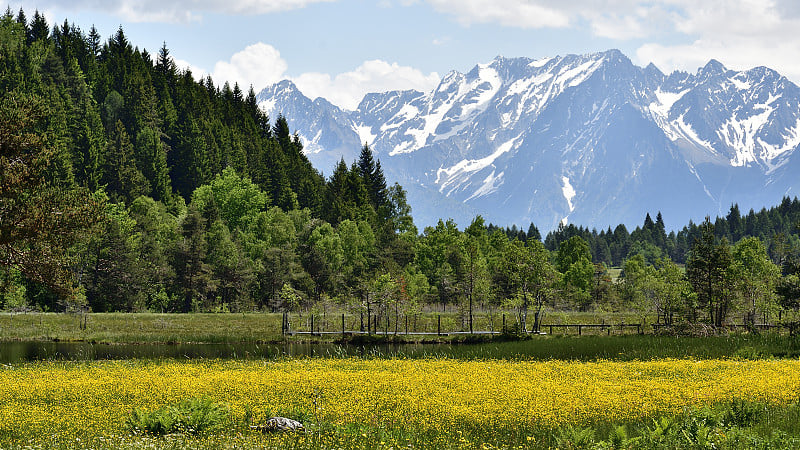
(230, 197)
(12, 289)
(755, 278)
(742, 413)
(709, 270)
(289, 297)
(192, 416)
(40, 220)
(575, 437)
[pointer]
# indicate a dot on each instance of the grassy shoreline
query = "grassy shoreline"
(255, 327)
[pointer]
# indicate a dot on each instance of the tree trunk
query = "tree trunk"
(470, 312)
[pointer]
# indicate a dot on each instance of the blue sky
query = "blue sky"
(342, 49)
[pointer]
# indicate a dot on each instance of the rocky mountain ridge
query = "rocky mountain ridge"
(588, 139)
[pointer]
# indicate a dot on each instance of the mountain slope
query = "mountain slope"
(589, 139)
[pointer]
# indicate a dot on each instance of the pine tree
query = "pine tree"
(39, 29)
(93, 42)
(22, 20)
(533, 233)
(375, 183)
(164, 64)
(123, 179)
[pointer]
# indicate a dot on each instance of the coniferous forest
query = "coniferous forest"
(129, 185)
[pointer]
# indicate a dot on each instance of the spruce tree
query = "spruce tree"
(39, 29)
(124, 181)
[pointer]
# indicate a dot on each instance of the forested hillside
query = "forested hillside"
(126, 129)
(129, 186)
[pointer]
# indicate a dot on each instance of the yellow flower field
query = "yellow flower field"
(47, 398)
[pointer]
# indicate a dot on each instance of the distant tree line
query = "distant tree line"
(776, 227)
(129, 186)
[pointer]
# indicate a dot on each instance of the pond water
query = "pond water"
(16, 352)
(578, 348)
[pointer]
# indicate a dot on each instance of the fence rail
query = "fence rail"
(391, 329)
(374, 329)
(602, 326)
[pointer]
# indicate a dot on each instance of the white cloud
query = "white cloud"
(261, 65)
(258, 65)
(740, 33)
(629, 21)
(347, 89)
(197, 72)
(176, 11)
(674, 34)
(513, 13)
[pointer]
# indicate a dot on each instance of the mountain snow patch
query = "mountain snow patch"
(268, 106)
(365, 134)
(771, 152)
(490, 184)
(568, 191)
(740, 85)
(540, 62)
(665, 101)
(740, 134)
(460, 172)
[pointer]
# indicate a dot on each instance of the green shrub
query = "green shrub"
(742, 413)
(193, 416)
(573, 437)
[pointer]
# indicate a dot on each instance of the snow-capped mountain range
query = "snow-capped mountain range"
(587, 139)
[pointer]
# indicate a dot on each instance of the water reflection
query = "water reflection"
(16, 352)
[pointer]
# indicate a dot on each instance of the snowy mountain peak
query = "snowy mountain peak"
(592, 139)
(713, 67)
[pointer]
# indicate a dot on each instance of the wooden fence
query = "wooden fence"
(373, 328)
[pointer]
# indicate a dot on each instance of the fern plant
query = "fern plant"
(192, 416)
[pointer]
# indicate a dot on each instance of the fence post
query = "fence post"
(551, 329)
(342, 325)
(504, 322)
(312, 324)
(580, 327)
(439, 325)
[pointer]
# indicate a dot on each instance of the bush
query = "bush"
(572, 437)
(193, 416)
(742, 413)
